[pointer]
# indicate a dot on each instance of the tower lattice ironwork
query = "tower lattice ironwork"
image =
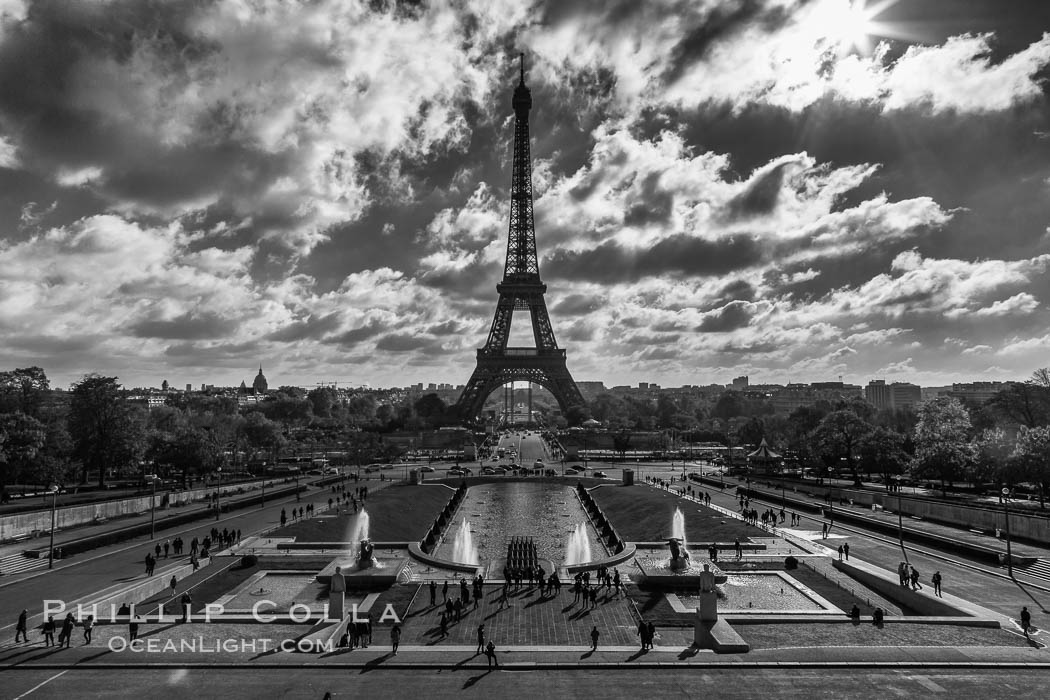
(520, 290)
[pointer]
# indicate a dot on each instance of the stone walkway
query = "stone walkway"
(527, 620)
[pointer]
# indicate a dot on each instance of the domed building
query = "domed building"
(260, 385)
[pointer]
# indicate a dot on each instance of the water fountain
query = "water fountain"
(463, 549)
(358, 529)
(679, 569)
(578, 547)
(679, 552)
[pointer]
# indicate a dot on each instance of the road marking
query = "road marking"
(40, 685)
(928, 684)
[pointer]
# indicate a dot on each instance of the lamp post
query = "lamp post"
(51, 547)
(153, 510)
(218, 494)
(900, 520)
(297, 483)
(1006, 514)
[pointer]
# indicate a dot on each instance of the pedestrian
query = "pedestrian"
(21, 628)
(89, 625)
(284, 517)
(133, 628)
(642, 629)
(156, 551)
(877, 617)
(739, 549)
(481, 639)
(185, 602)
(937, 583)
(67, 630)
(444, 624)
(167, 546)
(594, 638)
(490, 652)
(49, 631)
(433, 593)
(650, 633)
(915, 585)
(172, 583)
(444, 591)
(395, 637)
(824, 531)
(195, 561)
(845, 549)
(1026, 621)
(148, 557)
(840, 552)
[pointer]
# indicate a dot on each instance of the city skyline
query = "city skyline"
(795, 191)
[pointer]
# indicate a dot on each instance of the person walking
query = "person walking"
(937, 583)
(395, 637)
(67, 630)
(174, 582)
(433, 593)
(481, 639)
(22, 627)
(185, 602)
(845, 549)
(1026, 621)
(490, 653)
(650, 633)
(444, 591)
(594, 638)
(49, 631)
(641, 633)
(840, 552)
(915, 585)
(89, 626)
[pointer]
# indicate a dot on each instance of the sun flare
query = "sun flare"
(849, 24)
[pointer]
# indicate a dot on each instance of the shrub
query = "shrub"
(248, 561)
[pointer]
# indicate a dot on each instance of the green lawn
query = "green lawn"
(400, 513)
(643, 514)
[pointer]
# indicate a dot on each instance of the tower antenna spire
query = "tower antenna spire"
(522, 57)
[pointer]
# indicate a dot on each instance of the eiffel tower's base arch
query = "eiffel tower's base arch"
(547, 370)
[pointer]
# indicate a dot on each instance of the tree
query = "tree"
(23, 438)
(1023, 403)
(104, 433)
(881, 451)
(1033, 453)
(943, 448)
(23, 390)
(622, 442)
(992, 455)
(837, 436)
(752, 432)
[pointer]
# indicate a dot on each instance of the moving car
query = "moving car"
(426, 468)
(601, 475)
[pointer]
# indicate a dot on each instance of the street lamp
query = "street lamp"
(297, 483)
(51, 547)
(1006, 514)
(218, 494)
(153, 510)
(900, 519)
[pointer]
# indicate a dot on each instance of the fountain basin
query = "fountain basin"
(384, 573)
(658, 571)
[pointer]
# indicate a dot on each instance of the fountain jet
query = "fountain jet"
(463, 549)
(358, 527)
(578, 548)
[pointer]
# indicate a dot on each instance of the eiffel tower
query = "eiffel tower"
(520, 290)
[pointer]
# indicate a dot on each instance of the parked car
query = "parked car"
(488, 470)
(426, 468)
(601, 475)
(372, 468)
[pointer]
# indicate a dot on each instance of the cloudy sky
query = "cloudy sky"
(789, 189)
